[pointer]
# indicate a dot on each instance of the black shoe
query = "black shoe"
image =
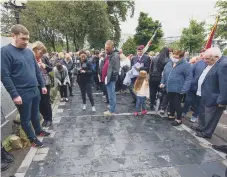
(162, 112)
(152, 108)
(170, 118)
(7, 157)
(43, 133)
(49, 123)
(175, 123)
(71, 94)
(202, 135)
(36, 143)
(221, 148)
(196, 129)
(44, 123)
(4, 165)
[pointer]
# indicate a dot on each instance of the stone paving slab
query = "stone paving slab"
(86, 145)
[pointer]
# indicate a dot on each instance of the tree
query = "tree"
(145, 30)
(193, 37)
(69, 21)
(40, 22)
(118, 11)
(175, 45)
(7, 20)
(161, 45)
(221, 6)
(54, 22)
(225, 52)
(129, 47)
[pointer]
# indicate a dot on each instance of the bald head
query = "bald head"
(109, 46)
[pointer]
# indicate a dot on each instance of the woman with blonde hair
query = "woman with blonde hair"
(141, 89)
(45, 108)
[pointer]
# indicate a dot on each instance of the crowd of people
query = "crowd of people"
(169, 76)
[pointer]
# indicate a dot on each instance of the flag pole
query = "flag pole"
(211, 35)
(151, 39)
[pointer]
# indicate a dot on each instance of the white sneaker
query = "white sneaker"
(66, 99)
(193, 119)
(84, 107)
(93, 109)
(108, 113)
(62, 99)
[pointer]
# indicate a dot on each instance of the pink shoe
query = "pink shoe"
(144, 112)
(136, 113)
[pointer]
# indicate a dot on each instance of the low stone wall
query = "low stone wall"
(8, 112)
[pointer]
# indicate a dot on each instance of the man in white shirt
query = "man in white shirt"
(212, 87)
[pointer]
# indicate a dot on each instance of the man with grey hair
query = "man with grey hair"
(212, 87)
(89, 56)
(109, 76)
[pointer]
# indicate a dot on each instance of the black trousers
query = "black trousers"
(45, 105)
(154, 88)
(164, 100)
(63, 91)
(209, 118)
(86, 88)
(70, 85)
(96, 80)
(175, 104)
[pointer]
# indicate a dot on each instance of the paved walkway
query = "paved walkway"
(89, 145)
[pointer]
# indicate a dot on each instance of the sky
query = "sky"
(173, 14)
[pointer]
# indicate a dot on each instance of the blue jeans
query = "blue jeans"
(29, 111)
(111, 95)
(140, 101)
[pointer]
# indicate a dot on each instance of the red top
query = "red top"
(105, 69)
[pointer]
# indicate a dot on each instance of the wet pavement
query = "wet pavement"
(90, 145)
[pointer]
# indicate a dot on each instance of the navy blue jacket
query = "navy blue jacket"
(19, 70)
(177, 79)
(197, 70)
(145, 60)
(214, 87)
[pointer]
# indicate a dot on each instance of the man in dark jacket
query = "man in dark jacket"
(191, 98)
(95, 67)
(20, 74)
(144, 60)
(110, 75)
(68, 62)
(212, 86)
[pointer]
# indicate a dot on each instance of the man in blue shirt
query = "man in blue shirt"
(21, 77)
